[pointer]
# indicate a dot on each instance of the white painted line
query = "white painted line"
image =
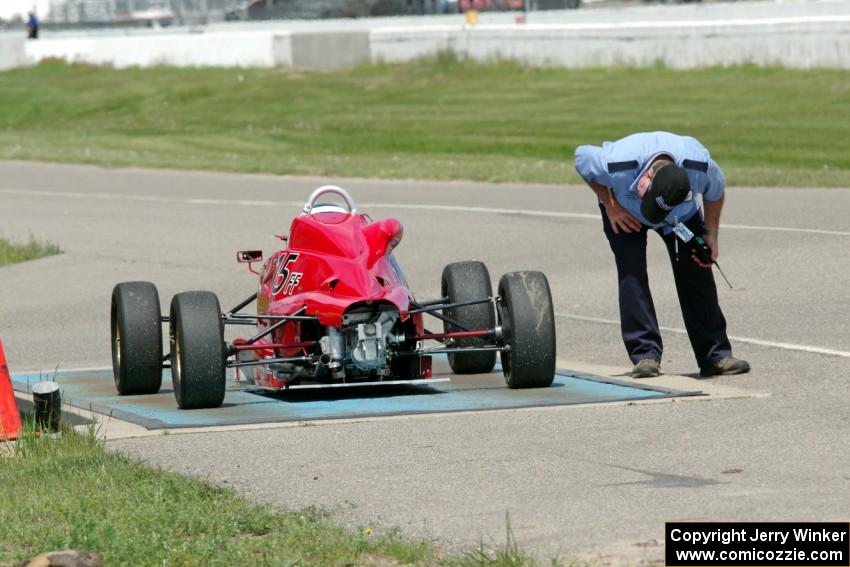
(786, 229)
(60, 370)
(553, 214)
(417, 207)
(486, 210)
(150, 198)
(748, 340)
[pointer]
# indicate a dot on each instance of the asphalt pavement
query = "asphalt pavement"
(586, 482)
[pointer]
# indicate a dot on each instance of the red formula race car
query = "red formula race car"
(334, 309)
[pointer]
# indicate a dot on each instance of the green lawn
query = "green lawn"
(437, 119)
(11, 252)
(71, 493)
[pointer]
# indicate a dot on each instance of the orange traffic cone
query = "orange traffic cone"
(10, 418)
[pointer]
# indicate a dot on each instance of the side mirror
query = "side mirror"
(249, 257)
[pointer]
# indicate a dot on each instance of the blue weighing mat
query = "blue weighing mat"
(95, 390)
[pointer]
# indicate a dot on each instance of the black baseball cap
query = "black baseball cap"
(670, 186)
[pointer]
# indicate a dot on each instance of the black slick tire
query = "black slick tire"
(466, 281)
(136, 328)
(198, 354)
(528, 325)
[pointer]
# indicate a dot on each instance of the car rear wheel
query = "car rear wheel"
(528, 326)
(136, 328)
(466, 281)
(197, 350)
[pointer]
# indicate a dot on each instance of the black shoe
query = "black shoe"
(647, 368)
(725, 367)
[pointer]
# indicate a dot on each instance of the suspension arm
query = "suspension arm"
(439, 307)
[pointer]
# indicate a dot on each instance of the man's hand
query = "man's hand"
(712, 226)
(620, 218)
(711, 242)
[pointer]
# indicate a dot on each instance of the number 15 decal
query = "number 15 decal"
(284, 280)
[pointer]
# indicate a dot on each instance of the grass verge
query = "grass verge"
(11, 252)
(440, 118)
(71, 493)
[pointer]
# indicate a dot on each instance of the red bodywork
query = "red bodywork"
(335, 261)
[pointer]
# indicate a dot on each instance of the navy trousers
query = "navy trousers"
(695, 286)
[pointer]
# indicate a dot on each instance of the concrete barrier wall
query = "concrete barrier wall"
(319, 51)
(324, 51)
(12, 52)
(243, 49)
(795, 40)
(682, 45)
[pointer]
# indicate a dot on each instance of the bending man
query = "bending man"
(650, 181)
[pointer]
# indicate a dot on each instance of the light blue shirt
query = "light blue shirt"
(620, 164)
